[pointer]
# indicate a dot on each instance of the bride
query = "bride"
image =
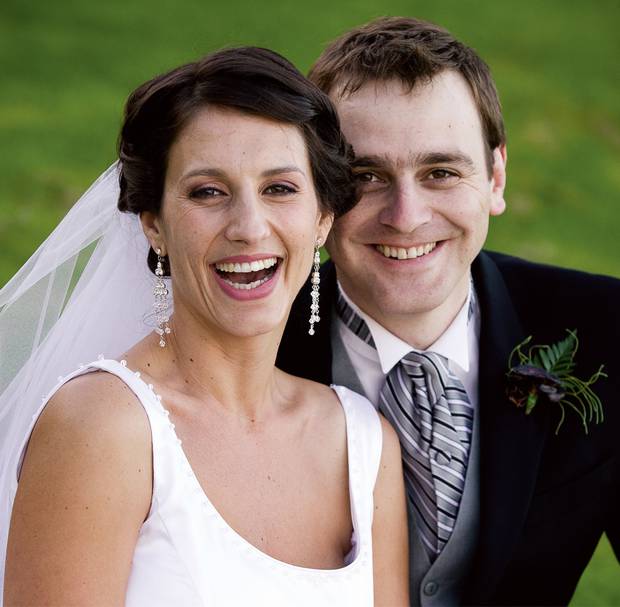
(180, 467)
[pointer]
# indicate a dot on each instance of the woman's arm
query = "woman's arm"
(84, 492)
(389, 529)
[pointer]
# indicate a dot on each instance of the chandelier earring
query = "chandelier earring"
(160, 305)
(314, 293)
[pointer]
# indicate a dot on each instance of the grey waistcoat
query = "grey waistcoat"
(439, 584)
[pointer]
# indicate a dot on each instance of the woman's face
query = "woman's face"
(239, 220)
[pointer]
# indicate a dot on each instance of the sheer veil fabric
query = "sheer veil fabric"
(54, 318)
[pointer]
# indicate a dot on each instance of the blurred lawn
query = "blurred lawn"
(66, 68)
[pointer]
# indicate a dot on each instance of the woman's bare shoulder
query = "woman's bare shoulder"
(93, 432)
(96, 403)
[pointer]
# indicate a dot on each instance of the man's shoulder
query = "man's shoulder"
(549, 300)
(517, 266)
(541, 276)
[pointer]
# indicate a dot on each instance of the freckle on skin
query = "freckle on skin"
(191, 360)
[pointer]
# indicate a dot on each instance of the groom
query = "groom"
(413, 314)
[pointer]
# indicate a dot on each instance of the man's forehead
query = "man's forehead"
(342, 92)
(435, 117)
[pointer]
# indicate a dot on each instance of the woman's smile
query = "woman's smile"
(245, 277)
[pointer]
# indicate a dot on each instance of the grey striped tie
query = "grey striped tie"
(428, 407)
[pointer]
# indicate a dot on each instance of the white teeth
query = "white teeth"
(402, 253)
(249, 286)
(255, 266)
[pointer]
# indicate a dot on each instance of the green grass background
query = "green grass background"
(66, 68)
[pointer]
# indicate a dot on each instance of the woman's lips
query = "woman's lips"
(247, 278)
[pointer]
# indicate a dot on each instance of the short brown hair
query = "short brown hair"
(412, 51)
(252, 80)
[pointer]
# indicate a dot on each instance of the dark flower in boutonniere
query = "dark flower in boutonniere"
(545, 374)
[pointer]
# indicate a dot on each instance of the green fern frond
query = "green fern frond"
(557, 361)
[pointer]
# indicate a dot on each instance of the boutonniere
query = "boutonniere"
(545, 373)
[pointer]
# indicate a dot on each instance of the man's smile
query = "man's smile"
(406, 253)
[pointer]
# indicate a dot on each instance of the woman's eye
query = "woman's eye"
(205, 192)
(279, 189)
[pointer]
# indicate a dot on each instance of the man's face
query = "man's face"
(427, 194)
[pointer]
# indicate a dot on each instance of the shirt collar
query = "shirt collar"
(452, 343)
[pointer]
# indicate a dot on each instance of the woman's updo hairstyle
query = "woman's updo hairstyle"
(252, 80)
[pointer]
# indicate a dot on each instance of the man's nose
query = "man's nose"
(406, 207)
(248, 219)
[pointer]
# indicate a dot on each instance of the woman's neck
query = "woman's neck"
(238, 372)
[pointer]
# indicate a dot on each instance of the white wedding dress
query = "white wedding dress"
(186, 553)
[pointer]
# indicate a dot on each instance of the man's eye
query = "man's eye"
(441, 174)
(367, 177)
(279, 189)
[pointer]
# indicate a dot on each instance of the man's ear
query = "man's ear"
(151, 225)
(498, 180)
(324, 226)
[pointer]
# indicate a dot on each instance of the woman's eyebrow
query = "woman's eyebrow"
(204, 172)
(213, 172)
(284, 169)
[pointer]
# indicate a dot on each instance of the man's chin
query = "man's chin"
(413, 307)
(415, 297)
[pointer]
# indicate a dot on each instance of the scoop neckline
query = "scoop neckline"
(199, 490)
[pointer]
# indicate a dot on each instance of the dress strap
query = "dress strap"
(364, 444)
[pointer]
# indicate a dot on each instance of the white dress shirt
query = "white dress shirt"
(458, 343)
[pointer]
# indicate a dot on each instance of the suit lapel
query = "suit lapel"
(510, 442)
(343, 372)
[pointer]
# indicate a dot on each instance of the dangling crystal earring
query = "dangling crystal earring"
(160, 305)
(316, 281)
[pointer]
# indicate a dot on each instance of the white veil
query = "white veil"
(54, 317)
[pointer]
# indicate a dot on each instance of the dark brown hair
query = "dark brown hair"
(412, 51)
(252, 80)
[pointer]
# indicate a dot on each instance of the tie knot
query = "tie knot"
(429, 362)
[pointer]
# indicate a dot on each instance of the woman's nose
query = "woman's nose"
(248, 219)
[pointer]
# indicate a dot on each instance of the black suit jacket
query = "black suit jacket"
(545, 499)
